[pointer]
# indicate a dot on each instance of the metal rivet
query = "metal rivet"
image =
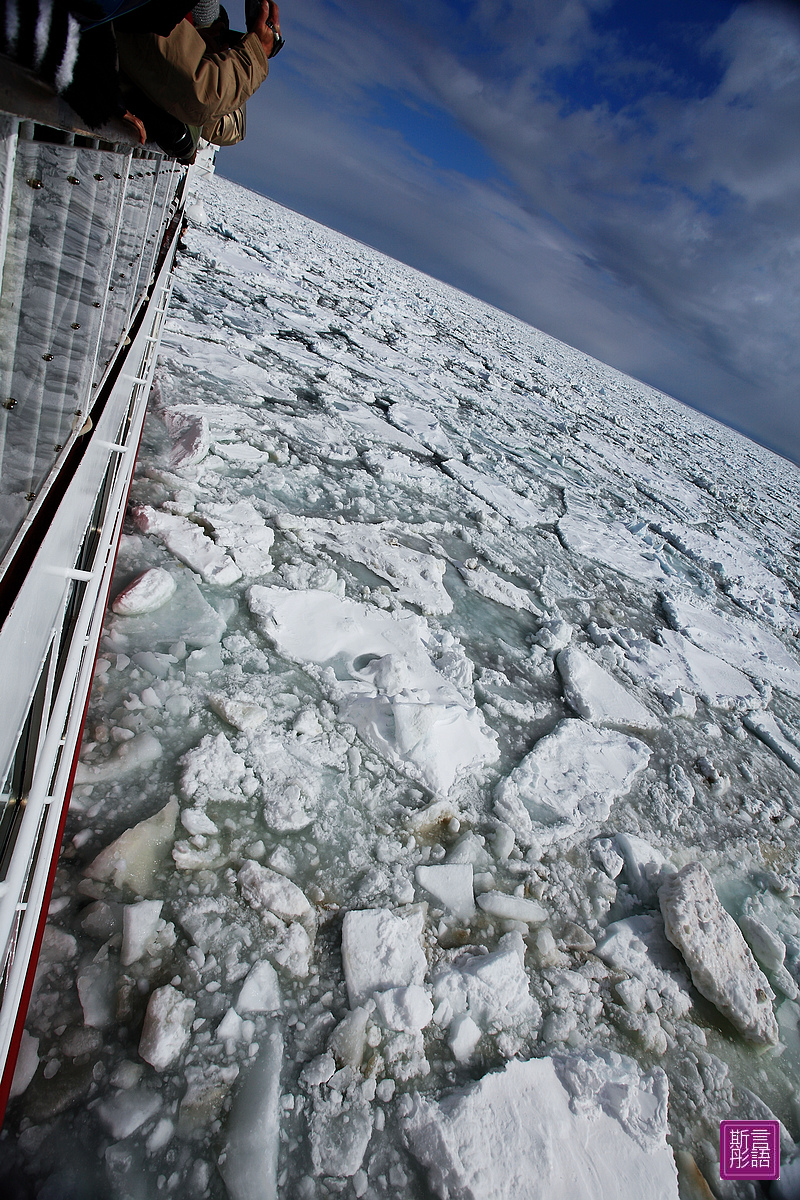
(117, 175)
(9, 403)
(35, 184)
(73, 179)
(57, 447)
(48, 357)
(75, 325)
(30, 496)
(77, 412)
(95, 304)
(99, 178)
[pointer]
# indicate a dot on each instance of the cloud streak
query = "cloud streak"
(645, 217)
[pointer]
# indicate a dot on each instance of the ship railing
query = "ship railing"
(88, 231)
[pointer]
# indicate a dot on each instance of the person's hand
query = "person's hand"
(267, 12)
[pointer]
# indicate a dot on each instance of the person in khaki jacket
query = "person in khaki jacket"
(201, 76)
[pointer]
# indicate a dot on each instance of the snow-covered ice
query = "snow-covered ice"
(437, 651)
(719, 959)
(549, 1129)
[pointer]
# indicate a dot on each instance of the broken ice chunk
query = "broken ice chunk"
(138, 751)
(27, 1063)
(493, 988)
(339, 1132)
(124, 1112)
(189, 544)
(612, 544)
(406, 1009)
(380, 950)
(380, 673)
(742, 644)
(463, 1037)
(241, 714)
(133, 859)
(139, 929)
(765, 944)
(242, 531)
(571, 776)
(95, 984)
(145, 594)
(644, 866)
(451, 885)
(639, 945)
(553, 635)
(212, 771)
(188, 432)
(264, 888)
(596, 695)
(260, 992)
(720, 961)
(765, 727)
(349, 1039)
(512, 908)
(249, 1164)
(549, 1132)
(167, 1026)
(285, 808)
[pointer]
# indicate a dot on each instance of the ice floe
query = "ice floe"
(722, 967)
(549, 1128)
(383, 680)
(571, 777)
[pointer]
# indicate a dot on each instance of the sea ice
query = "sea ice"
(189, 544)
(519, 510)
(414, 575)
(406, 1009)
(212, 771)
(145, 594)
(512, 908)
(381, 950)
(265, 889)
(479, 579)
(141, 926)
(674, 665)
(167, 1026)
(742, 644)
(138, 751)
(260, 992)
(124, 1112)
(765, 727)
(571, 776)
(596, 695)
(720, 961)
(188, 431)
(451, 885)
(133, 859)
(613, 545)
(639, 946)
(250, 1163)
(494, 989)
(549, 1129)
(383, 679)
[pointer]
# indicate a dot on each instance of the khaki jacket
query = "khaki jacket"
(184, 78)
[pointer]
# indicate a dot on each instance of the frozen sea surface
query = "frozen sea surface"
(454, 651)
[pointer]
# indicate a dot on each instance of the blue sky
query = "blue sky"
(622, 174)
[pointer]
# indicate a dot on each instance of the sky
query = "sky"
(621, 174)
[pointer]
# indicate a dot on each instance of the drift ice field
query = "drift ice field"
(436, 828)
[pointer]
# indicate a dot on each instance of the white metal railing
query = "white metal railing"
(23, 892)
